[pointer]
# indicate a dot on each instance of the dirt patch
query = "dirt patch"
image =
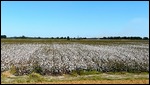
(7, 74)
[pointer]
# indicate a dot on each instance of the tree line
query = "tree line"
(77, 38)
(137, 38)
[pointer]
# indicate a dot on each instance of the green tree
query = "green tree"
(3, 36)
(61, 38)
(145, 38)
(68, 38)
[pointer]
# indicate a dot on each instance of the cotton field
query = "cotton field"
(64, 58)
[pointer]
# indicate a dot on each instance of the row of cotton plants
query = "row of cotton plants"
(49, 59)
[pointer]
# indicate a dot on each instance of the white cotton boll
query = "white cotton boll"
(74, 56)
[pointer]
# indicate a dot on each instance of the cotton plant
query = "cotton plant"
(63, 58)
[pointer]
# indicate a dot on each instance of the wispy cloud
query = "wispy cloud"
(136, 27)
(139, 21)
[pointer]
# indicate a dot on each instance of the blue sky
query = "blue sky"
(75, 18)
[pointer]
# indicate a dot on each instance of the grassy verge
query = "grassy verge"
(63, 41)
(7, 78)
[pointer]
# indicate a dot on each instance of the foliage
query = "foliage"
(68, 38)
(3, 36)
(35, 77)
